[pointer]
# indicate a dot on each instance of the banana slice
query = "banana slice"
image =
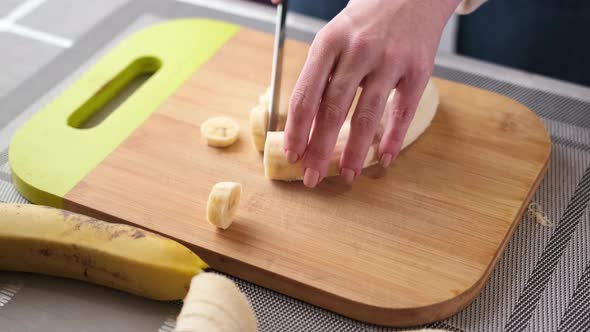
(215, 304)
(223, 203)
(259, 118)
(258, 125)
(220, 131)
(264, 99)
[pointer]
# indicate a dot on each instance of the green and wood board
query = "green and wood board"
(406, 246)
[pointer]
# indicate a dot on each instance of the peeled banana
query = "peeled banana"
(220, 131)
(215, 304)
(258, 125)
(60, 243)
(276, 166)
(223, 203)
(264, 99)
(259, 120)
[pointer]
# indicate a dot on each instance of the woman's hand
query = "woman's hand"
(381, 45)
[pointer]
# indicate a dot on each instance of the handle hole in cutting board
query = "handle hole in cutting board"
(114, 93)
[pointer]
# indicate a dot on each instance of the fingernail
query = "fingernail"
(311, 178)
(291, 156)
(347, 175)
(385, 160)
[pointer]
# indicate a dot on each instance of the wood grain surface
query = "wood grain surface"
(405, 246)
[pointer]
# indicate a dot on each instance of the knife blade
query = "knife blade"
(277, 66)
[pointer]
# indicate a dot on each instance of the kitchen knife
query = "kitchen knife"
(277, 66)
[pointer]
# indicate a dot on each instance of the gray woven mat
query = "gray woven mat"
(542, 281)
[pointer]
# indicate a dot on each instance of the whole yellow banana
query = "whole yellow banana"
(60, 243)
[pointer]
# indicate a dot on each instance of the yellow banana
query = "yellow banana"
(60, 243)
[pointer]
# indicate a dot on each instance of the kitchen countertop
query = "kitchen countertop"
(541, 282)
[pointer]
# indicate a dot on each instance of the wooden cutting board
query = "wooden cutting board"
(406, 246)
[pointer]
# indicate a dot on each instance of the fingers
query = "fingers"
(334, 106)
(364, 124)
(276, 2)
(306, 95)
(406, 99)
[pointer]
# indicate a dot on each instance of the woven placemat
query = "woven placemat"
(542, 281)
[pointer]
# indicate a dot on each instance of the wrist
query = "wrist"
(451, 5)
(441, 10)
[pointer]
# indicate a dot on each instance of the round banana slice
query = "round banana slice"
(220, 131)
(223, 203)
(258, 124)
(215, 304)
(264, 99)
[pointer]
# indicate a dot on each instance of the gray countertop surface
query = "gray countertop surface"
(47, 44)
